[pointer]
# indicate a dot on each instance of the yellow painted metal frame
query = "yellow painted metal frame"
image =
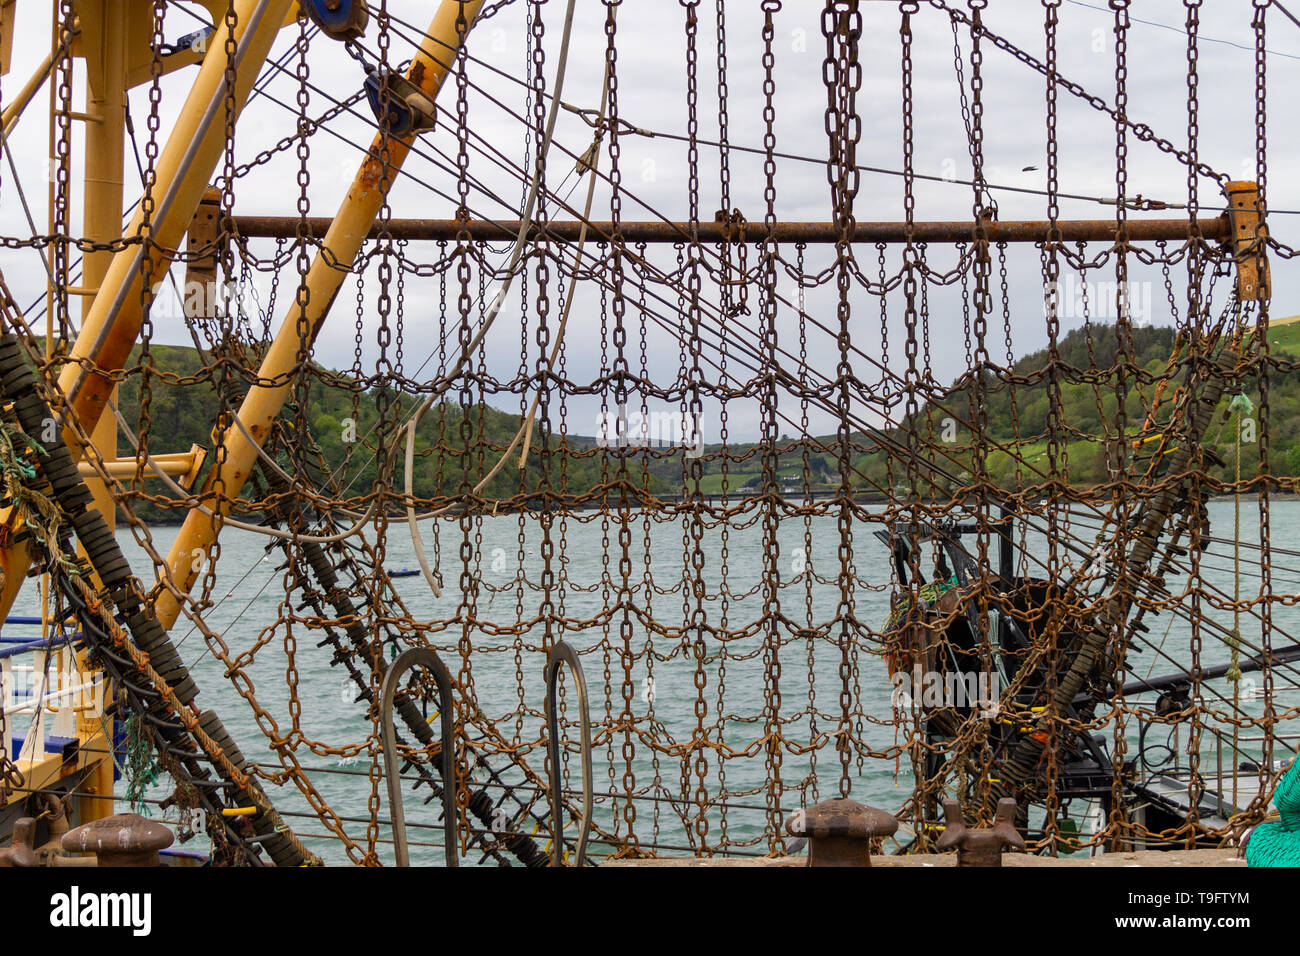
(356, 215)
(114, 39)
(8, 8)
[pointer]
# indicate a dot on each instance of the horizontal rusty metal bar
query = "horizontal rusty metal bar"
(1075, 230)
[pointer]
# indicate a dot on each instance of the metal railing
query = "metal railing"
(1228, 751)
(40, 691)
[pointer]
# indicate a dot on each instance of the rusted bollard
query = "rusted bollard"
(126, 839)
(980, 847)
(839, 831)
(21, 850)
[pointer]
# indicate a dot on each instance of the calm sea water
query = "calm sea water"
(509, 686)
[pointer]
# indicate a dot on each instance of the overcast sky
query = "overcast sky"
(652, 97)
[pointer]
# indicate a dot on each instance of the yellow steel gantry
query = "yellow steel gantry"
(115, 41)
(343, 241)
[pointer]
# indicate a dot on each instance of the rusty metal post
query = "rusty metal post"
(20, 851)
(1028, 230)
(127, 839)
(1248, 235)
(840, 831)
(104, 45)
(202, 242)
(980, 847)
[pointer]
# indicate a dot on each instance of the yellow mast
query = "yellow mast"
(184, 167)
(343, 241)
(103, 44)
(112, 321)
(115, 40)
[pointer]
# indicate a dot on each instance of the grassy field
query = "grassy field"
(1284, 336)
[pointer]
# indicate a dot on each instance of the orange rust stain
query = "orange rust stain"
(417, 73)
(371, 171)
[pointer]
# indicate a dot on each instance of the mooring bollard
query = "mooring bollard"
(126, 839)
(980, 847)
(21, 850)
(840, 831)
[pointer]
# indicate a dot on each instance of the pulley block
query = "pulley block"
(398, 104)
(338, 19)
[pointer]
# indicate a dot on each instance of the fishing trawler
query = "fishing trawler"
(704, 512)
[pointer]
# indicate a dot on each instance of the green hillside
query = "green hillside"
(317, 426)
(1017, 414)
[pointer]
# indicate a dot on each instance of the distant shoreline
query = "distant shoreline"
(714, 498)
